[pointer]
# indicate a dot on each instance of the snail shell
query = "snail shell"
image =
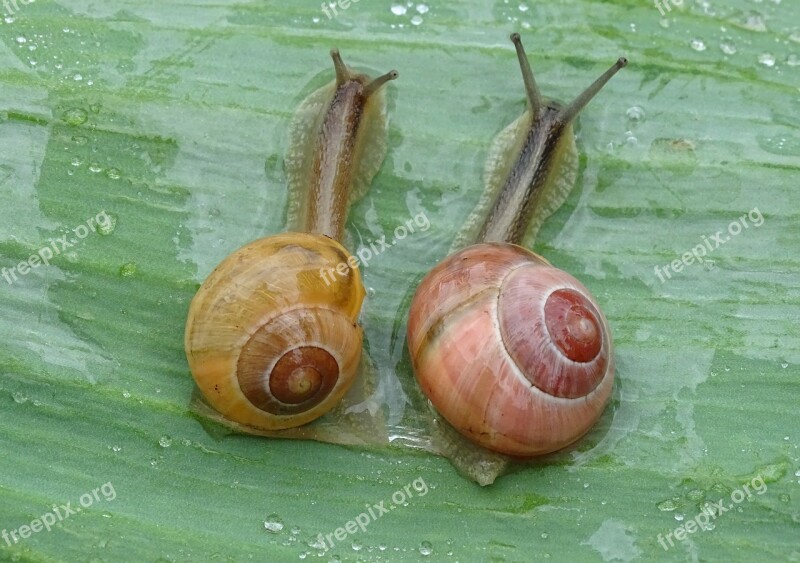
(513, 352)
(269, 343)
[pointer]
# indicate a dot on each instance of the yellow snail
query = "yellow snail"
(272, 341)
(512, 352)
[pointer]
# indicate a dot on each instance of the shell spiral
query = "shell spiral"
(514, 353)
(272, 336)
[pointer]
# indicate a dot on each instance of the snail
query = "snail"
(514, 353)
(271, 340)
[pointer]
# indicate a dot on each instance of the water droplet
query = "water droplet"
(767, 59)
(783, 497)
(273, 524)
(80, 140)
(108, 225)
(116, 449)
(792, 60)
(113, 173)
(77, 77)
(75, 116)
(695, 495)
(635, 113)
(382, 547)
(785, 365)
(698, 45)
(422, 8)
(126, 394)
(356, 546)
(9, 19)
(295, 530)
(186, 442)
(165, 441)
(127, 270)
(523, 8)
(544, 535)
(95, 168)
(398, 9)
(22, 40)
(754, 22)
(425, 548)
(795, 36)
(19, 398)
(728, 47)
(679, 517)
(416, 20)
(667, 505)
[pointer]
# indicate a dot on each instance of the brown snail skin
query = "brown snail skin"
(514, 353)
(270, 343)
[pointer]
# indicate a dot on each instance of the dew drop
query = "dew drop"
(19, 398)
(273, 524)
(792, 60)
(783, 497)
(165, 441)
(128, 270)
(754, 22)
(679, 517)
(126, 394)
(116, 449)
(398, 9)
(113, 173)
(422, 8)
(108, 225)
(695, 495)
(523, 8)
(356, 546)
(22, 40)
(728, 47)
(416, 20)
(635, 113)
(95, 168)
(425, 548)
(76, 162)
(698, 45)
(75, 116)
(667, 505)
(767, 59)
(544, 535)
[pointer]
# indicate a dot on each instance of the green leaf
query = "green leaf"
(173, 119)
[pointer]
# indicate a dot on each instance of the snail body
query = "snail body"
(514, 353)
(271, 341)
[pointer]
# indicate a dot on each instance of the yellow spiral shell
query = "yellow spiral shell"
(272, 341)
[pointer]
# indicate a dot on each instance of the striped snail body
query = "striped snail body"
(513, 352)
(271, 342)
